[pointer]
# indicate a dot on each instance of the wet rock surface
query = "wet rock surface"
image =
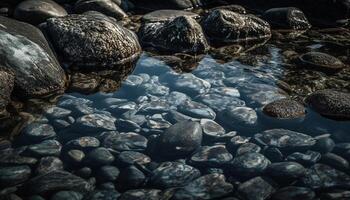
(246, 119)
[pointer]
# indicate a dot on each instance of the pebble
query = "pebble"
(107, 173)
(125, 142)
(211, 156)
(98, 157)
(47, 164)
(248, 165)
(256, 189)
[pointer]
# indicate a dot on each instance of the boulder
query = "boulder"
(107, 7)
(287, 18)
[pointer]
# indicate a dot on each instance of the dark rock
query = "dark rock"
(38, 11)
(224, 26)
(236, 142)
(294, 193)
(6, 86)
(127, 158)
(273, 154)
(285, 140)
(37, 132)
(180, 139)
(45, 148)
(241, 119)
(74, 156)
(103, 195)
(335, 161)
(211, 186)
(55, 181)
(164, 15)
(107, 7)
(159, 4)
(37, 73)
(284, 109)
(84, 143)
(342, 149)
(9, 158)
(67, 195)
(335, 195)
(321, 61)
(180, 35)
(248, 165)
(141, 194)
(47, 164)
(308, 158)
(248, 148)
(322, 176)
(234, 8)
(173, 174)
(287, 18)
(219, 102)
(214, 131)
(256, 189)
(130, 178)
(211, 156)
(196, 110)
(324, 145)
(98, 157)
(285, 171)
(57, 113)
(331, 103)
(95, 123)
(10, 176)
(125, 142)
(114, 45)
(84, 172)
(107, 173)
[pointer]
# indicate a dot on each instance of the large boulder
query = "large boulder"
(90, 41)
(25, 51)
(330, 103)
(224, 26)
(6, 86)
(37, 11)
(179, 35)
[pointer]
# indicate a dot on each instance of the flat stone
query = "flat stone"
(83, 143)
(284, 109)
(284, 171)
(37, 132)
(248, 148)
(256, 189)
(57, 180)
(38, 11)
(321, 61)
(335, 161)
(287, 18)
(107, 7)
(189, 84)
(248, 165)
(10, 176)
(219, 102)
(285, 139)
(211, 156)
(173, 174)
(294, 193)
(196, 110)
(127, 158)
(308, 158)
(125, 142)
(98, 157)
(96, 123)
(57, 113)
(45, 148)
(107, 173)
(239, 118)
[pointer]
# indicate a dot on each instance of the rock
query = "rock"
(211, 186)
(336, 195)
(83, 143)
(164, 15)
(84, 172)
(284, 109)
(256, 189)
(37, 73)
(321, 61)
(74, 156)
(57, 113)
(141, 194)
(307, 159)
(37, 132)
(241, 119)
(115, 45)
(6, 86)
(324, 145)
(10, 176)
(47, 164)
(107, 173)
(173, 174)
(98, 157)
(103, 195)
(219, 102)
(234, 8)
(214, 131)
(248, 165)
(294, 193)
(335, 161)
(285, 140)
(248, 148)
(189, 84)
(180, 139)
(127, 158)
(55, 181)
(38, 11)
(10, 157)
(45, 148)
(172, 4)
(342, 149)
(95, 123)
(125, 142)
(285, 171)
(330, 103)
(107, 7)
(287, 18)
(211, 156)
(196, 110)
(179, 35)
(227, 27)
(70, 195)
(323, 177)
(273, 154)
(130, 178)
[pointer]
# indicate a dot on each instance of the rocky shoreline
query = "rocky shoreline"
(153, 99)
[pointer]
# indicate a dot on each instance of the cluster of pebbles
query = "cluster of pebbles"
(223, 131)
